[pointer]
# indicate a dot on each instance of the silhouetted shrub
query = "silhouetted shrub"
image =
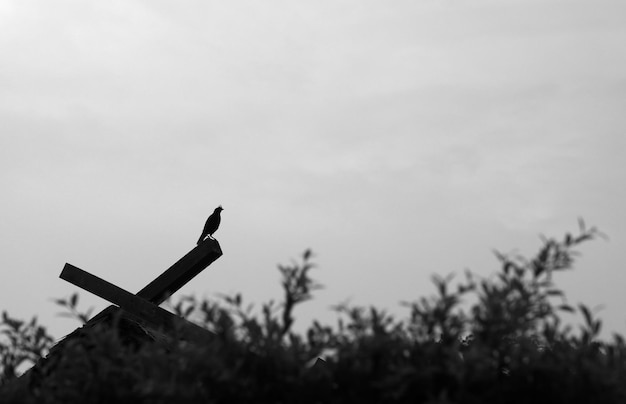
(494, 340)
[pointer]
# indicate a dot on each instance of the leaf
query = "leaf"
(582, 238)
(73, 300)
(538, 268)
(586, 314)
(501, 257)
(60, 302)
(596, 327)
(566, 307)
(581, 224)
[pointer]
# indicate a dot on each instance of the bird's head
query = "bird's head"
(219, 209)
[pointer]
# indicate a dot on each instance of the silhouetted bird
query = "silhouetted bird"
(211, 225)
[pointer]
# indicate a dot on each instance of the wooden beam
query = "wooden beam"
(185, 269)
(152, 314)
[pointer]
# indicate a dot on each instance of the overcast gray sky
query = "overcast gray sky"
(397, 139)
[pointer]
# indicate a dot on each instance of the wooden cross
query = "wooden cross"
(144, 305)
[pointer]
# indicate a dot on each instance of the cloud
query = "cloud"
(353, 126)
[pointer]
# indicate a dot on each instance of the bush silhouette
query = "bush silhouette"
(477, 340)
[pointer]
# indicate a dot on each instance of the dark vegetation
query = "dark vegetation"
(476, 340)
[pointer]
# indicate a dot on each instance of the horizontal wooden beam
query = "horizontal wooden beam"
(150, 313)
(185, 269)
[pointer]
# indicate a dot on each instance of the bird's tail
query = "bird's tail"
(200, 240)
